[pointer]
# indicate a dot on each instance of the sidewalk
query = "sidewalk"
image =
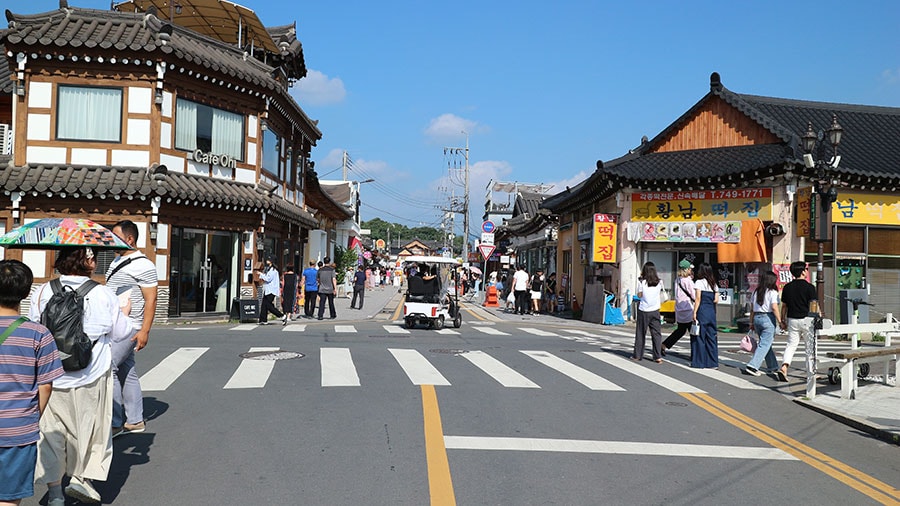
(876, 410)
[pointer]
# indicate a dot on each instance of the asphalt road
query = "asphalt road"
(507, 413)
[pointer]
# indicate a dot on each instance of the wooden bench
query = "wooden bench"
(870, 354)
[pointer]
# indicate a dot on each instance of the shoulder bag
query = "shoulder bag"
(12, 326)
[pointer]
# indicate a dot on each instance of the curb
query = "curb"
(878, 431)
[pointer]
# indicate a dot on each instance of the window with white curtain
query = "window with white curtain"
(211, 130)
(89, 113)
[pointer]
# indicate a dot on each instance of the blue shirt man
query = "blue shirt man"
(310, 288)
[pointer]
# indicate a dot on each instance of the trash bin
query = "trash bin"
(245, 310)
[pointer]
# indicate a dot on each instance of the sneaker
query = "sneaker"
(751, 371)
(81, 489)
(135, 428)
(263, 323)
(284, 321)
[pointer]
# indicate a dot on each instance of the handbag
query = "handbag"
(748, 342)
(663, 294)
(695, 328)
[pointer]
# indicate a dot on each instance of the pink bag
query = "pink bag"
(748, 342)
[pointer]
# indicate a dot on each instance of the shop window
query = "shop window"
(851, 239)
(270, 149)
(208, 129)
(884, 241)
(89, 113)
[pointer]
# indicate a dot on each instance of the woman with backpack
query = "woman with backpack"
(76, 429)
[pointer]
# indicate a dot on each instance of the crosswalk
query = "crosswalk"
(339, 368)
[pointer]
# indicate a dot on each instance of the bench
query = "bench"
(870, 354)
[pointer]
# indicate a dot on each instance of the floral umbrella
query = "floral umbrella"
(57, 233)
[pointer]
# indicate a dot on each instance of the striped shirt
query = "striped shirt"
(137, 274)
(28, 358)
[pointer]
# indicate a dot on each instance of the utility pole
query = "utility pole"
(465, 203)
(344, 164)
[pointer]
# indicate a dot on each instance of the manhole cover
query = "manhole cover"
(677, 404)
(449, 351)
(271, 355)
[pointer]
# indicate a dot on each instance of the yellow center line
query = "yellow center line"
(476, 315)
(877, 490)
(399, 309)
(439, 482)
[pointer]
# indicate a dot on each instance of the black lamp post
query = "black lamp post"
(825, 193)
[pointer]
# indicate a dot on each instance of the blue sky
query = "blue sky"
(545, 89)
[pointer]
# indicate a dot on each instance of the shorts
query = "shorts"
(535, 295)
(17, 471)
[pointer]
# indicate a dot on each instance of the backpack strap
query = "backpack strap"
(56, 285)
(683, 289)
(86, 287)
(118, 267)
(12, 326)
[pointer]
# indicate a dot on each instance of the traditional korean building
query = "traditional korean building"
(183, 125)
(728, 183)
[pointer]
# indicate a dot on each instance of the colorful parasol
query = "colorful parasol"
(57, 233)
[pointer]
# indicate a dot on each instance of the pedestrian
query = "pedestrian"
(797, 315)
(76, 435)
(765, 316)
(259, 283)
(132, 276)
(537, 290)
(359, 287)
(650, 291)
(550, 293)
(288, 293)
(705, 346)
(271, 289)
(684, 304)
(310, 289)
(520, 286)
(327, 288)
(29, 362)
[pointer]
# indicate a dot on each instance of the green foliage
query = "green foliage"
(344, 258)
(378, 229)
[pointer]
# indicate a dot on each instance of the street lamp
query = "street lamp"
(824, 194)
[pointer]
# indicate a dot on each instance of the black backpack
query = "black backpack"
(64, 317)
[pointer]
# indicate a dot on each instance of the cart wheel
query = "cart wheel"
(410, 323)
(863, 371)
(457, 321)
(834, 375)
(439, 322)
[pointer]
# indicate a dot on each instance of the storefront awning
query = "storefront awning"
(751, 248)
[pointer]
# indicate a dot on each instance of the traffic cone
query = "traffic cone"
(575, 306)
(491, 297)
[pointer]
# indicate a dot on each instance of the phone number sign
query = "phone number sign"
(703, 205)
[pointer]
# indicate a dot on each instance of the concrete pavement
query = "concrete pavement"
(876, 409)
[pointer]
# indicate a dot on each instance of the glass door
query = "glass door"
(202, 266)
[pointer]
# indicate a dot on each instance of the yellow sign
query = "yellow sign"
(604, 243)
(856, 208)
(703, 205)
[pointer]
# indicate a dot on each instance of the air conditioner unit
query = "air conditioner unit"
(5, 139)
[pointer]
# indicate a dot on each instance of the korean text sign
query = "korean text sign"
(604, 238)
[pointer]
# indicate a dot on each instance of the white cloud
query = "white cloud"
(891, 76)
(319, 89)
(449, 127)
(559, 186)
(330, 167)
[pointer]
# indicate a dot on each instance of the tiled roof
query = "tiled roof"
(291, 57)
(317, 198)
(6, 83)
(869, 150)
(98, 31)
(127, 182)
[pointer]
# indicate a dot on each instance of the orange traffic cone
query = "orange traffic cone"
(575, 306)
(491, 297)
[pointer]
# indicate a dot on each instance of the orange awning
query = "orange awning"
(751, 248)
